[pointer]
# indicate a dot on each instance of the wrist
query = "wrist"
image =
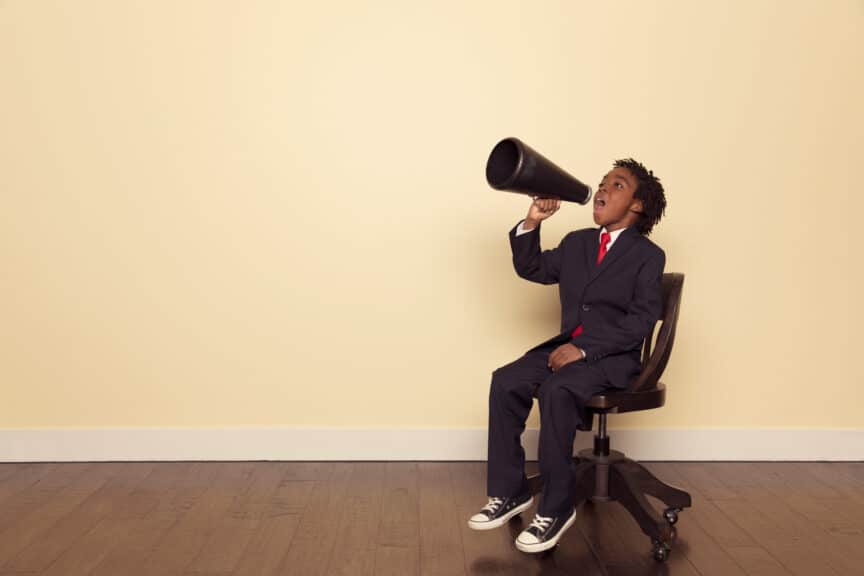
(530, 224)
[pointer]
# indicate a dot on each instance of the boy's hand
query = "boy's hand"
(541, 208)
(563, 355)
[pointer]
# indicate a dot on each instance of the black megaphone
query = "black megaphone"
(516, 167)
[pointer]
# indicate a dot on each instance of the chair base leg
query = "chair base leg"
(616, 477)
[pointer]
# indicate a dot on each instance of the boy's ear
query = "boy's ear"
(636, 206)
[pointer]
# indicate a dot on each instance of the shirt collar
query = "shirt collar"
(612, 235)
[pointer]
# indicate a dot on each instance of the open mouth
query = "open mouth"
(599, 203)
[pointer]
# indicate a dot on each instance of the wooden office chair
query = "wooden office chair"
(602, 474)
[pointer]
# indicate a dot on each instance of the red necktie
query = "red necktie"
(604, 242)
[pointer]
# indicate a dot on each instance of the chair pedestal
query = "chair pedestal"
(611, 475)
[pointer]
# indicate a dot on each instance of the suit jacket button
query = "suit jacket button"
(586, 308)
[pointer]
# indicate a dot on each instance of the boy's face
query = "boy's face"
(614, 205)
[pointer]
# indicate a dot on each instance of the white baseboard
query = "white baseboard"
(442, 444)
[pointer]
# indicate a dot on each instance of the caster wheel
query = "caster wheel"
(671, 515)
(661, 551)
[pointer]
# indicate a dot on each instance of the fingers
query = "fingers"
(553, 359)
(547, 206)
(539, 210)
(562, 356)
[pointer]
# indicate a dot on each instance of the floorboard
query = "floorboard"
(409, 519)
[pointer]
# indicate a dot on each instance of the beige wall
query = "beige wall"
(275, 214)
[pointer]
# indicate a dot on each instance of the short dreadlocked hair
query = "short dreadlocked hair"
(650, 191)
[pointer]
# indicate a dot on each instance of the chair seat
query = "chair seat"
(626, 401)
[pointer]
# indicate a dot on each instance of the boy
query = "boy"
(610, 289)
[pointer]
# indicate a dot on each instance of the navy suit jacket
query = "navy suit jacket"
(617, 303)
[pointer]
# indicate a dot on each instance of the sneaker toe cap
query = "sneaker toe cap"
(479, 518)
(527, 538)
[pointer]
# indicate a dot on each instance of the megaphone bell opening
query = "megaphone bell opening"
(503, 163)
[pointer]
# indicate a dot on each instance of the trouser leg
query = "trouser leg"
(510, 401)
(562, 397)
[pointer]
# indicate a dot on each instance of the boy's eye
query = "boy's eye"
(619, 185)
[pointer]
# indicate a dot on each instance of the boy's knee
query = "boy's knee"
(550, 389)
(499, 380)
(505, 372)
(553, 392)
(504, 380)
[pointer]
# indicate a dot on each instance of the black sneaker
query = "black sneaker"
(498, 511)
(544, 532)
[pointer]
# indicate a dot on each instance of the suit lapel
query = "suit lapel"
(591, 249)
(625, 241)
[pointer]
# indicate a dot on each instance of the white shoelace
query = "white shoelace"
(493, 504)
(540, 522)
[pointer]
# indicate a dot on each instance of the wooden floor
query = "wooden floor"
(356, 519)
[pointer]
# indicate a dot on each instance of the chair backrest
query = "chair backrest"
(654, 361)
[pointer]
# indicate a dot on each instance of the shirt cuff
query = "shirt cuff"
(521, 230)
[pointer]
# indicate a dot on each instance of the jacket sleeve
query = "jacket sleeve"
(543, 267)
(644, 311)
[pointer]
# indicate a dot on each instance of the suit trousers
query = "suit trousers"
(562, 397)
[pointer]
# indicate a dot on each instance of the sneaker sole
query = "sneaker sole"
(498, 522)
(543, 546)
